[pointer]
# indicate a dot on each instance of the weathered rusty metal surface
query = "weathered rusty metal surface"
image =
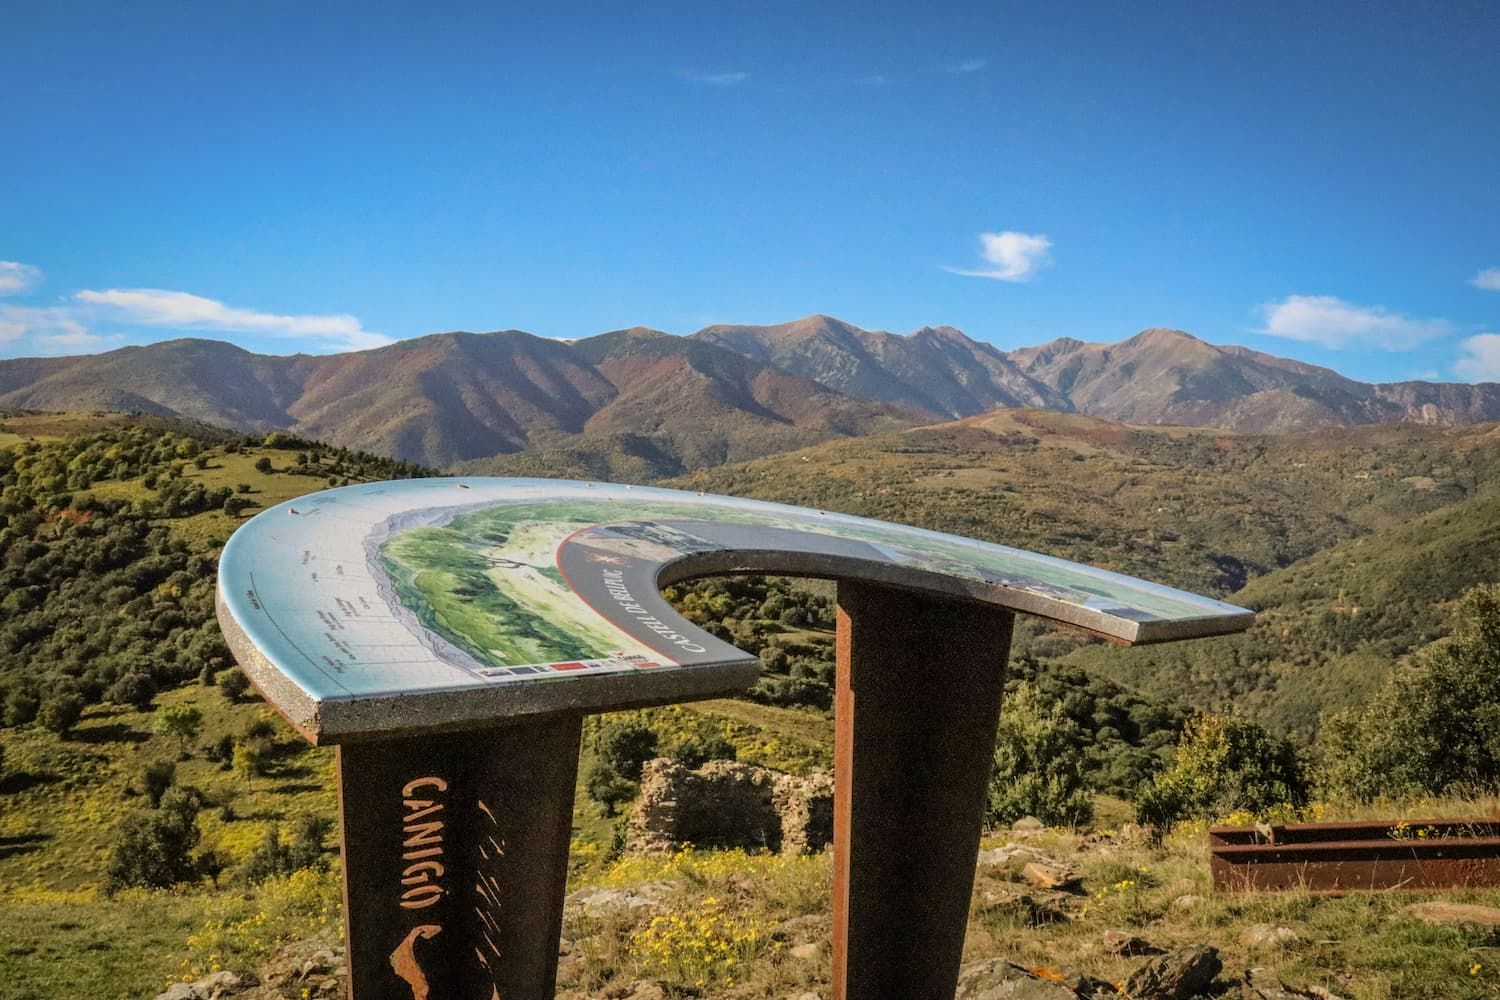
(912, 760)
(1355, 857)
(455, 861)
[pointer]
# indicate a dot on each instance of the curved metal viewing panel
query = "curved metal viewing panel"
(413, 606)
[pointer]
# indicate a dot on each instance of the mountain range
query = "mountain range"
(642, 403)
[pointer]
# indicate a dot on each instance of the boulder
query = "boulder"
(998, 979)
(1268, 937)
(215, 986)
(1484, 918)
(1028, 824)
(1049, 876)
(1127, 945)
(1180, 974)
(1253, 988)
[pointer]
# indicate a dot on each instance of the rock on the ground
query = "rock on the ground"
(1034, 906)
(641, 989)
(1187, 901)
(805, 952)
(998, 979)
(596, 902)
(1049, 876)
(1127, 945)
(1178, 975)
(1028, 824)
(1253, 988)
(1486, 918)
(215, 986)
(1267, 937)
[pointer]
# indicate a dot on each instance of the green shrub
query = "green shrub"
(153, 849)
(60, 712)
(625, 745)
(1039, 770)
(1434, 728)
(233, 684)
(1223, 765)
(157, 778)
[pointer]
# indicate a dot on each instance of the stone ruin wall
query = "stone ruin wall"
(725, 803)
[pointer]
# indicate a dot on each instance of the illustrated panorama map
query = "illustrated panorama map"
(436, 585)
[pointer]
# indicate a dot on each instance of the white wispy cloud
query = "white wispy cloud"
(16, 277)
(185, 311)
(714, 79)
(967, 66)
(1480, 361)
(46, 329)
(1012, 256)
(1332, 322)
(1488, 279)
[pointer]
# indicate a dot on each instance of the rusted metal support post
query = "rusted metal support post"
(917, 705)
(455, 861)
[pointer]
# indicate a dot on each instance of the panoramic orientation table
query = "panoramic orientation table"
(449, 635)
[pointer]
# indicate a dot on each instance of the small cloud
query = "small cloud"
(16, 277)
(1334, 323)
(41, 326)
(183, 310)
(1481, 358)
(873, 80)
(714, 79)
(1014, 256)
(967, 66)
(1487, 279)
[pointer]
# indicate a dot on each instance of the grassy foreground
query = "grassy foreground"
(713, 924)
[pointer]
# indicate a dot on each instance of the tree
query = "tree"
(211, 865)
(249, 760)
(60, 712)
(154, 848)
(135, 689)
(156, 779)
(233, 684)
(181, 721)
(274, 856)
(625, 746)
(1434, 728)
(607, 787)
(234, 505)
(1223, 765)
(1039, 770)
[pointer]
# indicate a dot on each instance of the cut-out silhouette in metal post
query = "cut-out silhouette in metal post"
(448, 635)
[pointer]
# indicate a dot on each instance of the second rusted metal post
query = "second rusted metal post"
(918, 701)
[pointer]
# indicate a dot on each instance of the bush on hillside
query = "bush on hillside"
(1039, 770)
(1223, 765)
(154, 848)
(1434, 728)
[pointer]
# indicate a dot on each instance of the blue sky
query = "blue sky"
(1321, 183)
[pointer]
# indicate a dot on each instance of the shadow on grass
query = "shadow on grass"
(20, 781)
(26, 843)
(293, 788)
(112, 732)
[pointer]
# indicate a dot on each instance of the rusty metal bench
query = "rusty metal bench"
(449, 635)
